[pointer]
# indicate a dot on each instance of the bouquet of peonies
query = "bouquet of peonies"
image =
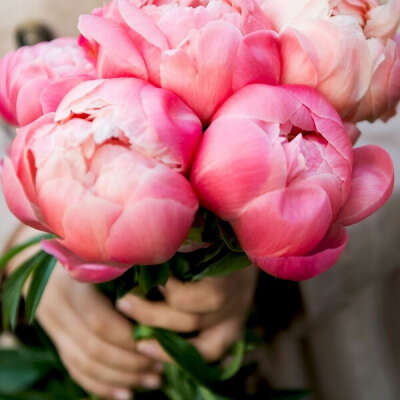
(191, 138)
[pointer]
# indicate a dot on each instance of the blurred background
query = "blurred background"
(337, 334)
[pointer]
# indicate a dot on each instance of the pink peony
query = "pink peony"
(34, 80)
(201, 50)
(277, 163)
(346, 49)
(105, 174)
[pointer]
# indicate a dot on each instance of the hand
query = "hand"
(216, 308)
(94, 341)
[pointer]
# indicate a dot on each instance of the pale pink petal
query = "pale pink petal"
(299, 268)
(299, 59)
(87, 225)
(383, 21)
(80, 269)
(52, 95)
(372, 184)
(16, 199)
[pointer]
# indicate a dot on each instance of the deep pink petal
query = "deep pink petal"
(262, 102)
(258, 60)
(285, 222)
(80, 269)
(28, 105)
(236, 162)
(119, 55)
(169, 115)
(372, 184)
(149, 231)
(299, 268)
(141, 23)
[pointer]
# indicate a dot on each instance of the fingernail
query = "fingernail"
(122, 394)
(146, 348)
(123, 305)
(151, 382)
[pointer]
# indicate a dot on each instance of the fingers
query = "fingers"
(70, 324)
(211, 343)
(207, 295)
(214, 342)
(210, 294)
(98, 388)
(90, 371)
(158, 314)
(100, 316)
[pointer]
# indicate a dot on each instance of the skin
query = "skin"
(107, 362)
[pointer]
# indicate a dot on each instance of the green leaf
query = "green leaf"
(177, 384)
(188, 358)
(21, 247)
(150, 277)
(22, 367)
(182, 352)
(119, 287)
(291, 395)
(180, 267)
(13, 287)
(206, 394)
(238, 351)
(225, 266)
(38, 284)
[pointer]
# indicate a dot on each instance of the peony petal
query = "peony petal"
(372, 184)
(298, 54)
(236, 162)
(299, 268)
(149, 231)
(53, 94)
(28, 106)
(258, 60)
(119, 55)
(80, 269)
(141, 23)
(87, 224)
(285, 222)
(198, 71)
(16, 199)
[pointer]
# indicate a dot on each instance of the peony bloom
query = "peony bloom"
(105, 174)
(346, 49)
(277, 163)
(33, 80)
(201, 50)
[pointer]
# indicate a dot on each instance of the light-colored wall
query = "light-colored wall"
(60, 15)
